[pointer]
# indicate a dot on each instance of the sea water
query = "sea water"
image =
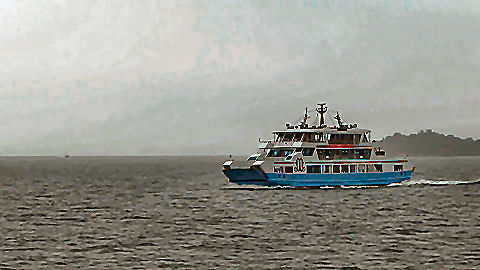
(179, 212)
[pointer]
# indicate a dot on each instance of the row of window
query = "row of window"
(280, 152)
(363, 168)
(347, 138)
(301, 137)
(320, 137)
(344, 153)
(324, 153)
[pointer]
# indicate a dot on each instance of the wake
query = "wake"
(408, 183)
(440, 182)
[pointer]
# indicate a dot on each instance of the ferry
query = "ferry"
(319, 155)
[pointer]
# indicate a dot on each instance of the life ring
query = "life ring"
(299, 165)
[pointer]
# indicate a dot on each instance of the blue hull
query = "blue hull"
(254, 177)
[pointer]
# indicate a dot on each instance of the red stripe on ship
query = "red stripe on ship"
(343, 146)
(347, 161)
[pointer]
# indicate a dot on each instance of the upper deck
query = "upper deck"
(341, 141)
(327, 135)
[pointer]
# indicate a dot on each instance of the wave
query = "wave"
(408, 183)
(439, 182)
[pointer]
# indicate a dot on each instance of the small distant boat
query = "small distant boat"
(67, 156)
(319, 155)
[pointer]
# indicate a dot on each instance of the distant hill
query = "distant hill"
(430, 143)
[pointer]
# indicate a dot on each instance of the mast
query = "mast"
(305, 118)
(322, 110)
(339, 120)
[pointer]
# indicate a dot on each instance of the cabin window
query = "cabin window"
(346, 154)
(253, 158)
(344, 168)
(298, 137)
(314, 169)
(356, 138)
(337, 138)
(351, 138)
(333, 138)
(353, 168)
(308, 152)
(343, 138)
(279, 152)
(397, 168)
(380, 152)
(328, 169)
(324, 154)
(321, 154)
(284, 137)
(378, 167)
(371, 168)
(348, 138)
(361, 168)
(322, 138)
(363, 153)
(289, 169)
(278, 169)
(280, 137)
(307, 137)
(337, 154)
(340, 154)
(272, 153)
(336, 168)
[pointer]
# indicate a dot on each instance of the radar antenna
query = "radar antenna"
(322, 110)
(339, 120)
(303, 124)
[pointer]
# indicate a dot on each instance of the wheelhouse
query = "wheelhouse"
(323, 136)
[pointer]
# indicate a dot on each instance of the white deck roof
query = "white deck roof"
(325, 131)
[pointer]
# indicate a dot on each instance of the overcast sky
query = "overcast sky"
(118, 77)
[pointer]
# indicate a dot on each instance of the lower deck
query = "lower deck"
(254, 177)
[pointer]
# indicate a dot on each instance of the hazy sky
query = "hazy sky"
(110, 77)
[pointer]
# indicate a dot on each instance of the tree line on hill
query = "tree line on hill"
(430, 143)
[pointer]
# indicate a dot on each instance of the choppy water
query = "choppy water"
(177, 212)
